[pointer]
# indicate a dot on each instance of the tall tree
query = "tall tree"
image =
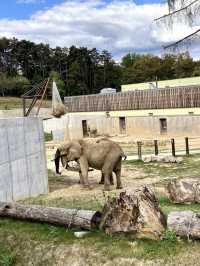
(183, 11)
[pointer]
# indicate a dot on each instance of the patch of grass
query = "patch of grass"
(8, 103)
(48, 136)
(167, 206)
(6, 260)
(7, 257)
(190, 167)
(71, 203)
(121, 246)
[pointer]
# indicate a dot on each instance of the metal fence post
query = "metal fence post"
(139, 144)
(156, 146)
(187, 146)
(173, 147)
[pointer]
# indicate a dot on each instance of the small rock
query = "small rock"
(161, 158)
(81, 234)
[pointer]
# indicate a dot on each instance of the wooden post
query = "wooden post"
(173, 147)
(156, 146)
(187, 146)
(139, 144)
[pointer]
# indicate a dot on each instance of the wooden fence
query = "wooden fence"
(178, 97)
(185, 150)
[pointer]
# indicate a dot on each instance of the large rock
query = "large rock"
(184, 224)
(139, 215)
(163, 159)
(184, 191)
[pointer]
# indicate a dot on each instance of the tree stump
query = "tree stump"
(184, 191)
(185, 224)
(68, 217)
(138, 215)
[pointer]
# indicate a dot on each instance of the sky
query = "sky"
(119, 26)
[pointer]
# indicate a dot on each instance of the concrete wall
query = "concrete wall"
(22, 159)
(44, 113)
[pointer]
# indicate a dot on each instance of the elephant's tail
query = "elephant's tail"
(57, 161)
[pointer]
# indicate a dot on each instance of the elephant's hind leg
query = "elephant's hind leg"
(117, 171)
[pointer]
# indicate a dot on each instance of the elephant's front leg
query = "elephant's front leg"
(84, 171)
(81, 178)
(102, 179)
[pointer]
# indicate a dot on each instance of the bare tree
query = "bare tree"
(182, 11)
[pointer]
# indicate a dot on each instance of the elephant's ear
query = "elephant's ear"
(57, 160)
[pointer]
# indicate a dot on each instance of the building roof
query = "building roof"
(163, 83)
(178, 97)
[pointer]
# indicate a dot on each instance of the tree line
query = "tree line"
(80, 71)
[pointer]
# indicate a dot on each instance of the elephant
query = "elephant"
(104, 155)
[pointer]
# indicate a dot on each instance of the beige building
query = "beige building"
(151, 113)
(183, 82)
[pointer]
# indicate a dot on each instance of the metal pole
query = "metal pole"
(139, 144)
(187, 146)
(173, 147)
(156, 146)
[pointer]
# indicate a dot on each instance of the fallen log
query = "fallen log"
(184, 191)
(185, 224)
(84, 219)
(138, 215)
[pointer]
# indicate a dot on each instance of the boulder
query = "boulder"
(184, 190)
(185, 224)
(162, 158)
(138, 215)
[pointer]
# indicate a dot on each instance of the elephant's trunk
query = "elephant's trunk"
(57, 161)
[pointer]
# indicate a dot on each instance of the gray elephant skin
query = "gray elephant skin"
(104, 155)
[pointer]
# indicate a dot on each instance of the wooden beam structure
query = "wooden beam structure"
(36, 94)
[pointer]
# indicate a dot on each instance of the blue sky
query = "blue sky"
(20, 9)
(119, 26)
(14, 9)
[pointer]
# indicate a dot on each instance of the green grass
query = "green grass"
(78, 202)
(7, 257)
(23, 240)
(8, 103)
(18, 236)
(167, 206)
(48, 137)
(190, 167)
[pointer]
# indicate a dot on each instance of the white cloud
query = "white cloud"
(119, 26)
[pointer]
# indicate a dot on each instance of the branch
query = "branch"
(181, 40)
(179, 10)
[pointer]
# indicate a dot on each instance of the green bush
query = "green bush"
(48, 136)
